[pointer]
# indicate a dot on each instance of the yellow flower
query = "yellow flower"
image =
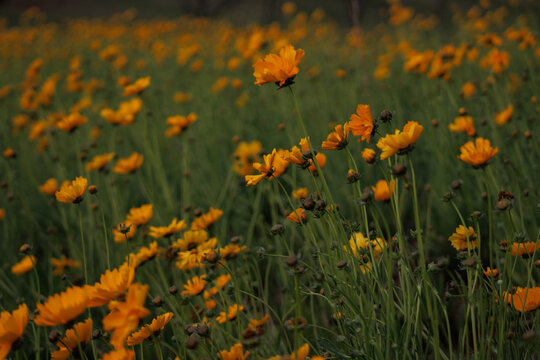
(523, 299)
(11, 328)
(49, 187)
(179, 123)
(273, 166)
(144, 254)
(119, 354)
(194, 286)
(80, 334)
(383, 190)
(400, 141)
(468, 90)
(140, 215)
(72, 192)
(231, 314)
(338, 139)
(192, 238)
(137, 87)
(369, 155)
(112, 284)
(477, 153)
(182, 97)
(205, 220)
(146, 331)
(165, 231)
(71, 122)
(504, 116)
(223, 280)
(63, 307)
(459, 238)
(278, 69)
(463, 124)
(61, 264)
(99, 162)
(24, 266)
(129, 165)
(245, 155)
(236, 352)
(125, 114)
(300, 193)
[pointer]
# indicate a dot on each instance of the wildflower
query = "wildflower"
(79, 334)
(400, 141)
(288, 8)
(49, 187)
(112, 284)
(300, 193)
(236, 351)
(129, 165)
(504, 116)
(99, 162)
(491, 272)
(254, 324)
(231, 314)
(137, 87)
(179, 123)
(231, 250)
(61, 264)
(125, 115)
(245, 155)
(383, 190)
(146, 331)
(468, 90)
(2, 214)
(337, 140)
(124, 316)
(298, 216)
(361, 123)
(525, 248)
(182, 97)
(194, 286)
(278, 69)
(223, 280)
(498, 60)
(359, 245)
(368, 155)
(144, 254)
(463, 124)
(523, 299)
(464, 238)
(71, 122)
(24, 266)
(9, 153)
(303, 156)
(191, 239)
(191, 259)
(273, 166)
(165, 231)
(124, 231)
(72, 192)
(477, 153)
(140, 215)
(119, 354)
(63, 307)
(11, 328)
(219, 85)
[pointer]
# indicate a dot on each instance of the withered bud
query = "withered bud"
(469, 262)
(276, 229)
(192, 341)
(320, 204)
(483, 195)
(83, 155)
(171, 253)
(157, 301)
(527, 134)
(173, 290)
(399, 169)
(476, 214)
(186, 174)
(203, 330)
(308, 203)
(529, 335)
(456, 184)
(352, 176)
(462, 111)
(427, 188)
(291, 260)
(25, 248)
(3, 184)
(308, 154)
(341, 264)
(92, 189)
(386, 116)
(96, 334)
(525, 193)
(212, 257)
(53, 336)
(94, 206)
(281, 127)
(10, 197)
(503, 204)
(434, 122)
(514, 133)
(197, 212)
(235, 239)
(187, 208)
(509, 335)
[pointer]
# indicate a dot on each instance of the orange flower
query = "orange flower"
(460, 237)
(231, 314)
(144, 254)
(230, 251)
(254, 324)
(11, 328)
(50, 186)
(182, 97)
(296, 156)
(491, 272)
(504, 116)
(383, 190)
(524, 249)
(338, 139)
(278, 69)
(468, 90)
(140, 215)
(70, 342)
(124, 231)
(369, 155)
(477, 153)
(236, 351)
(361, 123)
(71, 122)
(179, 123)
(61, 264)
(300, 194)
(245, 155)
(72, 192)
(165, 231)
(498, 60)
(119, 354)
(523, 299)
(298, 216)
(124, 316)
(463, 124)
(99, 162)
(205, 220)
(273, 166)
(359, 245)
(137, 87)
(112, 285)
(24, 266)
(223, 280)
(400, 141)
(129, 165)
(191, 239)
(61, 308)
(146, 331)
(194, 286)
(9, 153)
(125, 114)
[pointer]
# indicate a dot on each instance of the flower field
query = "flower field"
(187, 188)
